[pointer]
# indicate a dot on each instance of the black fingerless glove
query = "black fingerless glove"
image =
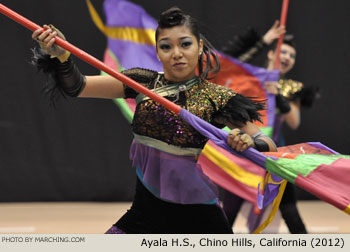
(69, 77)
(261, 145)
(62, 78)
(282, 104)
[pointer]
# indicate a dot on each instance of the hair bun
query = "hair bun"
(171, 17)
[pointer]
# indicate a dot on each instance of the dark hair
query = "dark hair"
(176, 17)
(287, 39)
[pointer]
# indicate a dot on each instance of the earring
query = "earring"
(158, 58)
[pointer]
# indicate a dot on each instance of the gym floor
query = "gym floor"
(96, 218)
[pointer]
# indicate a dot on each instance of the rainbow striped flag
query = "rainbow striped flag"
(130, 32)
(312, 166)
(233, 173)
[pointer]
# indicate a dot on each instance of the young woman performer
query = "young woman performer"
(172, 193)
(290, 96)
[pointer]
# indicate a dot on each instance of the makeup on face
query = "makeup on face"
(287, 58)
(292, 55)
(178, 50)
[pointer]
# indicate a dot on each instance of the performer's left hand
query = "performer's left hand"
(239, 141)
(271, 87)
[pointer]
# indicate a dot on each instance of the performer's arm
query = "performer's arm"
(68, 76)
(246, 46)
(103, 86)
(292, 118)
(289, 109)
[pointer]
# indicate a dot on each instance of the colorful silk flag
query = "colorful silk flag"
(312, 166)
(230, 171)
(130, 32)
(322, 172)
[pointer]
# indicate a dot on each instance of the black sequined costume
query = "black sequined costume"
(182, 199)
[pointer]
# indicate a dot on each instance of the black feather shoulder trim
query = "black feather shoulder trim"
(307, 95)
(238, 111)
(140, 75)
(240, 44)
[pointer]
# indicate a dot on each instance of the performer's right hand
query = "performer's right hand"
(274, 33)
(46, 39)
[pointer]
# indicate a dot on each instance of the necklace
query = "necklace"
(164, 87)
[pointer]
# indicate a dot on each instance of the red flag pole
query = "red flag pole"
(92, 61)
(283, 21)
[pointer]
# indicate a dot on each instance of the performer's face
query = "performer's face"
(287, 58)
(178, 50)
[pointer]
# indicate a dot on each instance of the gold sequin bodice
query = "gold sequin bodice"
(288, 87)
